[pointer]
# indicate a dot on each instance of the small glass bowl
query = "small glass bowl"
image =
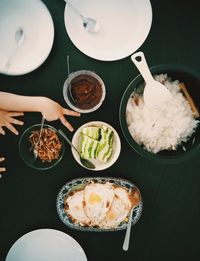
(26, 149)
(68, 96)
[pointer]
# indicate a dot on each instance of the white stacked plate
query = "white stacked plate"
(38, 35)
(124, 26)
(46, 244)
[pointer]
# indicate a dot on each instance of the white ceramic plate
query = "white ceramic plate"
(35, 19)
(116, 146)
(46, 244)
(124, 26)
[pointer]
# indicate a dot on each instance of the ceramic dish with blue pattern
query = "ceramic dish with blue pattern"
(79, 184)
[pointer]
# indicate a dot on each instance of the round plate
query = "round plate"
(46, 244)
(116, 146)
(79, 183)
(35, 20)
(124, 26)
(191, 147)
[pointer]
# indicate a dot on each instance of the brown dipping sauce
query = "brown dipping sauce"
(86, 91)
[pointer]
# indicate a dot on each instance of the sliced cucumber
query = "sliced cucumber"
(96, 143)
(88, 147)
(92, 132)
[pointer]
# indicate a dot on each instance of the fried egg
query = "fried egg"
(116, 214)
(74, 208)
(124, 195)
(120, 208)
(98, 199)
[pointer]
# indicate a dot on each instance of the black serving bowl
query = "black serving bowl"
(185, 151)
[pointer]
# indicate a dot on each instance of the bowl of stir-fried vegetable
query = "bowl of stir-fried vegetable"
(41, 149)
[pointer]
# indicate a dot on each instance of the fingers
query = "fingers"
(66, 123)
(2, 131)
(12, 128)
(13, 120)
(2, 169)
(71, 113)
(15, 114)
(17, 122)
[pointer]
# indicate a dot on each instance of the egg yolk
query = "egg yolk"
(110, 215)
(94, 198)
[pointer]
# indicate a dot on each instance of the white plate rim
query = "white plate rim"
(38, 232)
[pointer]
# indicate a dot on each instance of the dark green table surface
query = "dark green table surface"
(170, 225)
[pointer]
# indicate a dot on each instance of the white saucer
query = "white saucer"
(36, 21)
(46, 245)
(124, 26)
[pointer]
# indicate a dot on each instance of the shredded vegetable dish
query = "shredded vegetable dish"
(49, 146)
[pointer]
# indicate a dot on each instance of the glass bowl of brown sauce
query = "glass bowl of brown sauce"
(84, 91)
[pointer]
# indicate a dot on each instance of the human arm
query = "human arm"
(50, 109)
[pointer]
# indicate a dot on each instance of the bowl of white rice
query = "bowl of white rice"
(169, 132)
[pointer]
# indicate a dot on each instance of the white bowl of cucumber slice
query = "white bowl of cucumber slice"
(98, 142)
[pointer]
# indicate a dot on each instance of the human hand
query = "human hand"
(51, 111)
(7, 120)
(2, 169)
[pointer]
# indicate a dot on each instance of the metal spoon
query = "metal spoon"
(135, 199)
(155, 93)
(69, 89)
(35, 153)
(19, 38)
(88, 164)
(90, 24)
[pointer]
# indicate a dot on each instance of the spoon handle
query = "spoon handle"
(68, 3)
(41, 128)
(140, 62)
(19, 38)
(70, 143)
(128, 232)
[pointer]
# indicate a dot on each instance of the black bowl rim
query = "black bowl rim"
(55, 162)
(122, 116)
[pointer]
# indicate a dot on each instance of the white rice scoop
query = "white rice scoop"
(155, 93)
